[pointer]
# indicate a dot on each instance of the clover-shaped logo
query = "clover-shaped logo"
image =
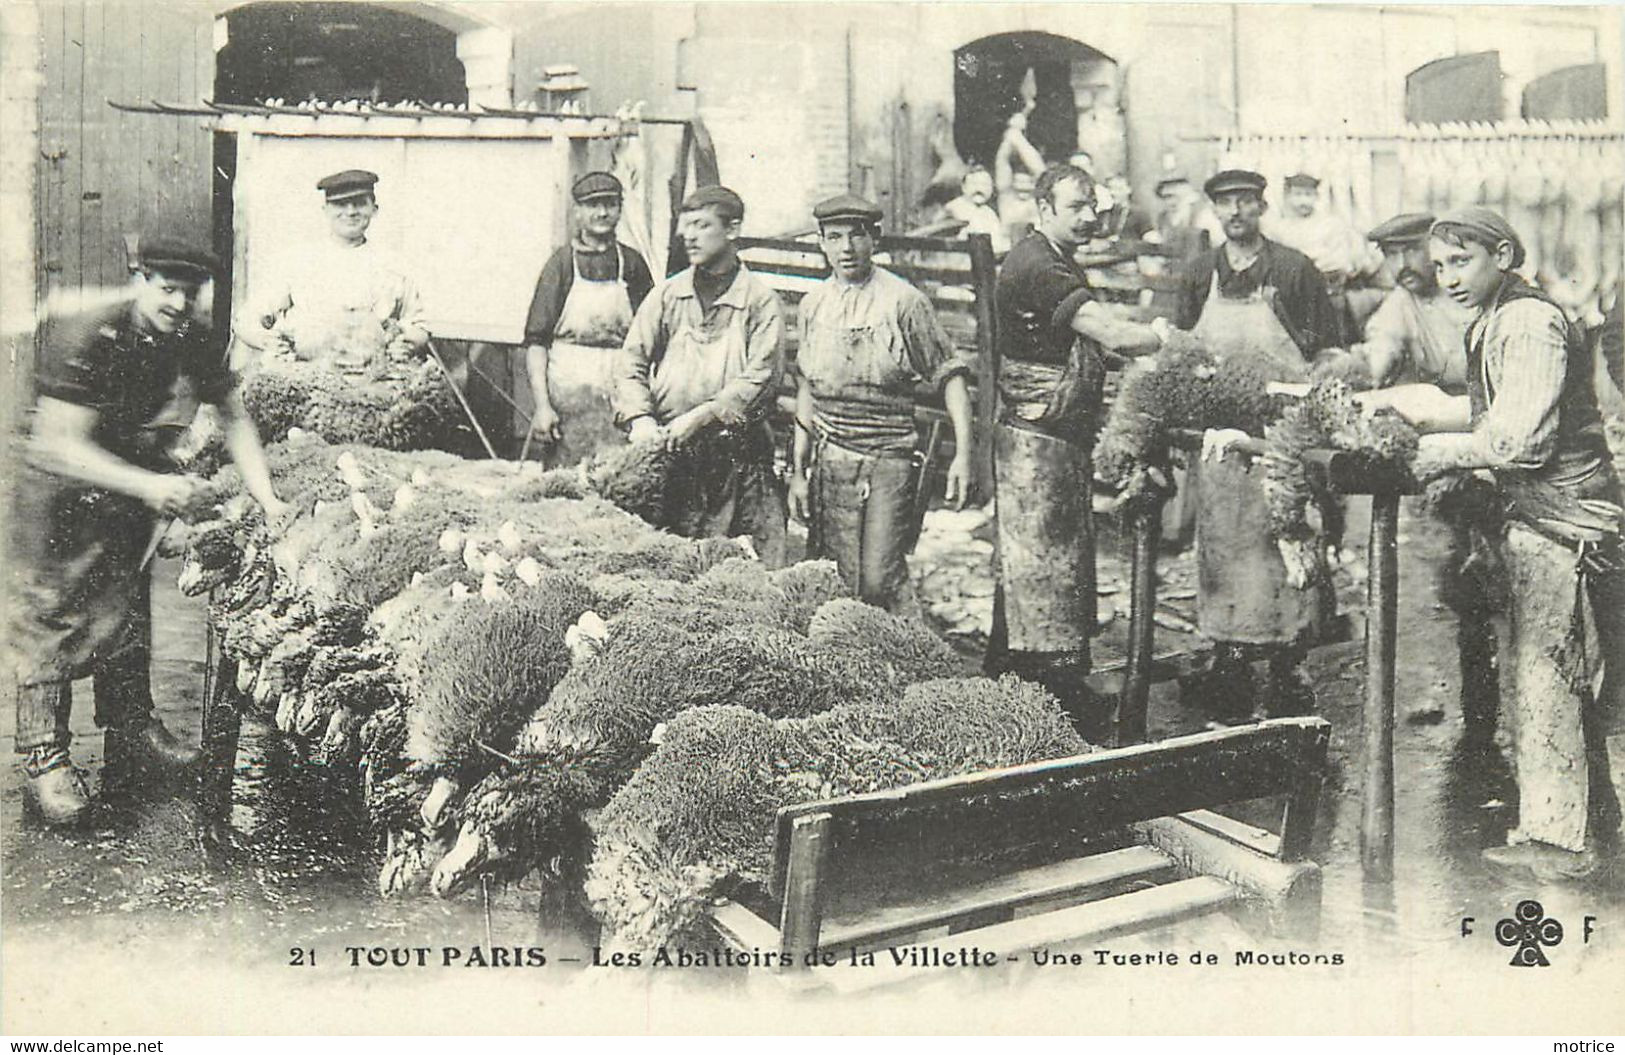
(1529, 929)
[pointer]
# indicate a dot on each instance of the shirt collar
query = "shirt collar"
(682, 287)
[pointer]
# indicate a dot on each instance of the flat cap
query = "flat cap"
(596, 185)
(727, 204)
(1170, 180)
(351, 183)
(847, 207)
(1301, 179)
(1406, 227)
(173, 256)
(1234, 179)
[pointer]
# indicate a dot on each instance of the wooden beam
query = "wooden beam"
(1382, 606)
(1079, 878)
(811, 837)
(1133, 701)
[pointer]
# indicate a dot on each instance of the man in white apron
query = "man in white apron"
(868, 338)
(342, 302)
(699, 371)
(578, 317)
(1257, 298)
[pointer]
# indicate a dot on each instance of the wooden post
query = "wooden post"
(984, 272)
(222, 724)
(1132, 702)
(802, 916)
(1382, 609)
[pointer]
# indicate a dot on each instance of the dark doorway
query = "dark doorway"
(988, 74)
(336, 51)
(1574, 93)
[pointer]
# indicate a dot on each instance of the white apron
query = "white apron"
(596, 316)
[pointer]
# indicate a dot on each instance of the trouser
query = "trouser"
(121, 687)
(1567, 782)
(863, 518)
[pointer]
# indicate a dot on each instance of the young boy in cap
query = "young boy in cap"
(1530, 417)
(1340, 252)
(116, 385)
(698, 370)
(343, 302)
(579, 315)
(1256, 298)
(867, 339)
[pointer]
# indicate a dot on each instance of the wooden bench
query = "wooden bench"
(1044, 855)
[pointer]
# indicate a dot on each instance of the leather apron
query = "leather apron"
(863, 513)
(596, 316)
(1242, 591)
(1043, 472)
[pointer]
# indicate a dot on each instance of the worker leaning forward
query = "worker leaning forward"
(1530, 417)
(699, 370)
(868, 338)
(1050, 377)
(343, 302)
(116, 386)
(579, 315)
(1417, 336)
(1254, 297)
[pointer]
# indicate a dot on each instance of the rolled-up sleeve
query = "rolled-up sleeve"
(631, 396)
(1528, 367)
(743, 393)
(931, 352)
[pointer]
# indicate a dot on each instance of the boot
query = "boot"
(1549, 864)
(55, 788)
(149, 746)
(1225, 691)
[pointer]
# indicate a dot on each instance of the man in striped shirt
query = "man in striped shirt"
(1530, 418)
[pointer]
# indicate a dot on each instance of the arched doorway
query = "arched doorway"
(1069, 83)
(333, 52)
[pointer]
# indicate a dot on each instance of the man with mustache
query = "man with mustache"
(116, 386)
(1051, 333)
(344, 302)
(868, 338)
(1255, 298)
(1416, 334)
(698, 372)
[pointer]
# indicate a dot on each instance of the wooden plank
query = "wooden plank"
(801, 919)
(987, 360)
(1124, 914)
(1078, 877)
(1102, 790)
(1285, 896)
(1133, 701)
(1254, 838)
(742, 928)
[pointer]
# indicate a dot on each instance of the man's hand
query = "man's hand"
(401, 350)
(645, 429)
(281, 343)
(1216, 442)
(173, 495)
(686, 426)
(278, 516)
(800, 499)
(1161, 327)
(959, 477)
(1435, 456)
(544, 424)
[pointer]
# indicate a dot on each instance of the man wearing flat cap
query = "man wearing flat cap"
(1530, 417)
(579, 316)
(1416, 334)
(1346, 260)
(698, 371)
(1254, 298)
(343, 302)
(868, 340)
(115, 387)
